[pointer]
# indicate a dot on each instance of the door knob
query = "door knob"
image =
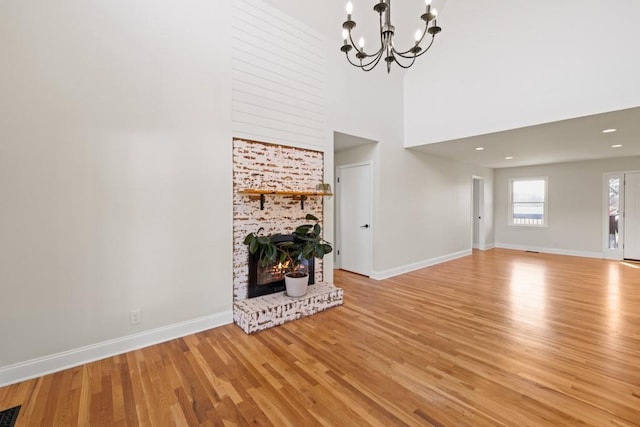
(364, 226)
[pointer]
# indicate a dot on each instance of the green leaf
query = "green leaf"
(271, 253)
(310, 217)
(283, 257)
(327, 248)
(253, 245)
(307, 252)
(303, 229)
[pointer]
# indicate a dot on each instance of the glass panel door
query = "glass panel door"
(613, 211)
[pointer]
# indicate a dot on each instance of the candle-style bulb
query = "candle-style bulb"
(418, 35)
(427, 2)
(361, 42)
(345, 35)
(349, 8)
(435, 12)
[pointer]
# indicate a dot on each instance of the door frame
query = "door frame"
(482, 231)
(338, 225)
(613, 254)
(624, 211)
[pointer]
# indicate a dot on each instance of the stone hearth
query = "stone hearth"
(257, 314)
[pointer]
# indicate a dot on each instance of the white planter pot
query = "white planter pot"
(296, 286)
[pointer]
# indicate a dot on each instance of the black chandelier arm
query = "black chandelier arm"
(433, 38)
(424, 33)
(374, 65)
(422, 52)
(402, 54)
(364, 66)
(362, 50)
(413, 59)
(366, 55)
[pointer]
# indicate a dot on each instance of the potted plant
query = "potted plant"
(292, 255)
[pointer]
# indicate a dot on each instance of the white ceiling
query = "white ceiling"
(343, 141)
(564, 141)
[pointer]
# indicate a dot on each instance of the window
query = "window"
(528, 202)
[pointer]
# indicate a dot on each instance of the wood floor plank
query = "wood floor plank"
(498, 338)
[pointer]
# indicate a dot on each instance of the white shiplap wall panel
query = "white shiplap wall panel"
(251, 99)
(283, 58)
(267, 122)
(278, 77)
(256, 89)
(277, 40)
(285, 30)
(268, 114)
(281, 135)
(271, 72)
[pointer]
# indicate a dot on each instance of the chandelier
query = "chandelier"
(404, 59)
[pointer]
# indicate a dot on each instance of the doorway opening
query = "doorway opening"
(621, 225)
(354, 165)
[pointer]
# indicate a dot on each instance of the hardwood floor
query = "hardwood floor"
(497, 338)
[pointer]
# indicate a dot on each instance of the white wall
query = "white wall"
(503, 64)
(422, 205)
(115, 170)
(413, 192)
(115, 167)
(575, 206)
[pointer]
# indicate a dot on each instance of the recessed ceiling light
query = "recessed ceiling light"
(508, 158)
(616, 146)
(609, 130)
(479, 148)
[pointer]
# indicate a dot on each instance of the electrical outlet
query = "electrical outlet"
(135, 316)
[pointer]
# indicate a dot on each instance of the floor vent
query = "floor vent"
(8, 417)
(533, 252)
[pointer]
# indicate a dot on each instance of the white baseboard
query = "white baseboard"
(486, 247)
(385, 274)
(555, 251)
(68, 359)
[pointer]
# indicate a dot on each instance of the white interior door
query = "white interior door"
(632, 216)
(354, 218)
(478, 241)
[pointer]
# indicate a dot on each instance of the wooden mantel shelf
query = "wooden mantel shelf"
(255, 191)
(302, 194)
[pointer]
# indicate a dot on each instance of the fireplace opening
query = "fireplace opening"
(270, 279)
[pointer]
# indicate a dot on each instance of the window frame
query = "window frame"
(545, 218)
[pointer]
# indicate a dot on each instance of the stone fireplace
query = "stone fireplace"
(275, 168)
